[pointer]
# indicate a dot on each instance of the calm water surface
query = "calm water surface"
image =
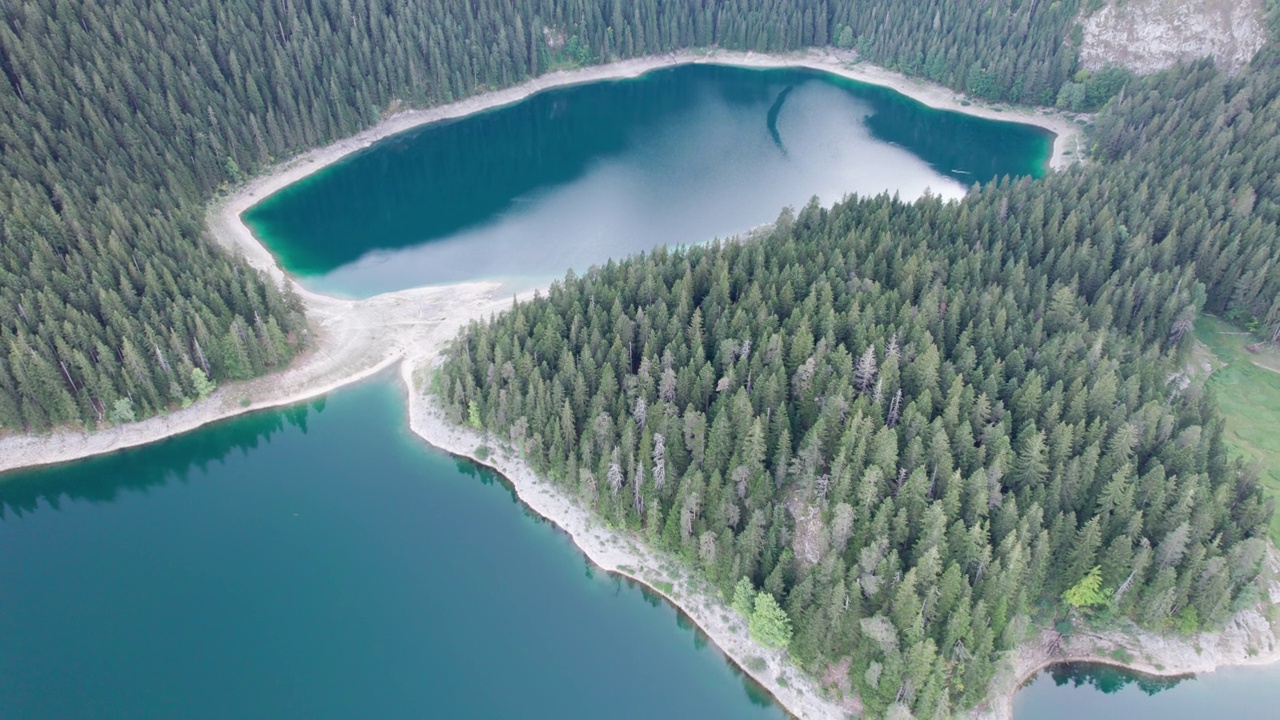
(574, 176)
(1070, 692)
(321, 562)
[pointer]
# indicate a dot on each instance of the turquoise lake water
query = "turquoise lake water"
(322, 562)
(577, 175)
(1102, 693)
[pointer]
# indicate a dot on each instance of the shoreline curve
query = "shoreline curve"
(358, 338)
(624, 555)
(231, 231)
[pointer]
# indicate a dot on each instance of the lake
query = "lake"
(1068, 692)
(322, 562)
(574, 176)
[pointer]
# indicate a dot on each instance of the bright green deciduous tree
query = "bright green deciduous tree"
(1088, 592)
(769, 623)
(122, 411)
(204, 386)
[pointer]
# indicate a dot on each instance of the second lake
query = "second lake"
(578, 175)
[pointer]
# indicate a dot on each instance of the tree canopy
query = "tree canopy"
(1088, 592)
(920, 426)
(910, 425)
(119, 120)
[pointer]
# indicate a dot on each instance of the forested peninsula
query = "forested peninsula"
(896, 437)
(921, 428)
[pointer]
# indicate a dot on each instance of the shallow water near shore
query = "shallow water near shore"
(321, 561)
(1081, 690)
(577, 175)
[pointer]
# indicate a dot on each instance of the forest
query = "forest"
(914, 427)
(120, 119)
(921, 428)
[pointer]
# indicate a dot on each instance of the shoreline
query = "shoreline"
(1248, 639)
(355, 339)
(224, 215)
(359, 338)
(309, 375)
(623, 554)
(1065, 151)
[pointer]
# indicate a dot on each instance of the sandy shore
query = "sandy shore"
(355, 339)
(358, 338)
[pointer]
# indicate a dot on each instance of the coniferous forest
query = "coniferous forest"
(120, 119)
(914, 426)
(921, 427)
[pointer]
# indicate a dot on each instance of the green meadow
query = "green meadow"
(1247, 385)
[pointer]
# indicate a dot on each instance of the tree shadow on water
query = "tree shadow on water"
(1109, 680)
(105, 478)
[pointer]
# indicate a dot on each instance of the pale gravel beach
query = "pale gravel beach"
(357, 338)
(353, 340)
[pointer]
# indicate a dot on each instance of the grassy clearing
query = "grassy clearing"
(1247, 386)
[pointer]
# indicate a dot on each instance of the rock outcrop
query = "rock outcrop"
(1150, 35)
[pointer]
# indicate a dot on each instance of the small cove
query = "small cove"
(577, 175)
(1077, 690)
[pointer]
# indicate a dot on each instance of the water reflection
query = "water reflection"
(105, 478)
(344, 572)
(575, 176)
(1068, 692)
(620, 584)
(756, 692)
(1109, 679)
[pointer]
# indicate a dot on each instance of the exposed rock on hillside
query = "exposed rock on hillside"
(1149, 35)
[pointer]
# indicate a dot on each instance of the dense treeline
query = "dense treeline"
(917, 426)
(119, 119)
(112, 134)
(908, 423)
(1201, 154)
(1021, 51)
(912, 425)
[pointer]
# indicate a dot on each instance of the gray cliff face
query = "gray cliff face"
(1150, 35)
